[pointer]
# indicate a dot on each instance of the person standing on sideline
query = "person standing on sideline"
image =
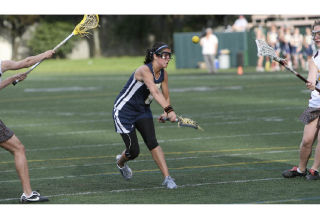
(209, 44)
(131, 110)
(8, 140)
(310, 117)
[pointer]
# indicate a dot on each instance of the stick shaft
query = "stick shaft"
(297, 74)
(35, 65)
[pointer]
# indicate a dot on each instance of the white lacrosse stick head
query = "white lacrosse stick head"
(265, 50)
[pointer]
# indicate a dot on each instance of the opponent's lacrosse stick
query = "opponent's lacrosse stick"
(186, 122)
(265, 50)
(87, 23)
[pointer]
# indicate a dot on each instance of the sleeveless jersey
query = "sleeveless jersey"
(133, 102)
(315, 96)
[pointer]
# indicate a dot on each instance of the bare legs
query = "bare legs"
(309, 135)
(15, 147)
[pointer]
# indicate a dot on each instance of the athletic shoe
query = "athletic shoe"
(291, 173)
(125, 170)
(313, 175)
(169, 183)
(34, 197)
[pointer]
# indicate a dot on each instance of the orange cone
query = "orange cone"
(240, 70)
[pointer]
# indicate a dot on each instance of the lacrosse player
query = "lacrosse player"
(310, 118)
(8, 140)
(132, 110)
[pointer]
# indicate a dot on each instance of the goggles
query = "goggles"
(165, 55)
(315, 34)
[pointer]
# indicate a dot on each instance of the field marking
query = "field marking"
(148, 154)
(167, 159)
(288, 200)
(62, 89)
(151, 170)
(204, 89)
(156, 187)
(159, 141)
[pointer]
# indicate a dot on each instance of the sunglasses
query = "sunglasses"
(315, 33)
(165, 55)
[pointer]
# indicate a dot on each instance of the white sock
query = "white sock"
(299, 170)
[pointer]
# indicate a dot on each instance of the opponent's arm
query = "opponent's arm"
(312, 75)
(7, 81)
(27, 62)
(143, 74)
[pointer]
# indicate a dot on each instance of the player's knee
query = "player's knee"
(133, 153)
(306, 142)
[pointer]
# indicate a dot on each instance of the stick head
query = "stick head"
(187, 122)
(265, 50)
(88, 22)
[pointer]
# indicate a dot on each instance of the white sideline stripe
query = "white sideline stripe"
(156, 187)
(168, 159)
(204, 89)
(59, 123)
(61, 89)
(159, 141)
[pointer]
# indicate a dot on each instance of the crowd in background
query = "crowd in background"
(289, 43)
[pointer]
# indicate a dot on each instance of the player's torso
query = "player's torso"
(135, 95)
(315, 96)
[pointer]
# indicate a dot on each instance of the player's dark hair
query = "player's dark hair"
(156, 48)
(316, 23)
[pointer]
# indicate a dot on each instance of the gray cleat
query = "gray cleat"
(125, 170)
(169, 183)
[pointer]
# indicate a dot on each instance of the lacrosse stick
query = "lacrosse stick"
(186, 122)
(265, 50)
(87, 23)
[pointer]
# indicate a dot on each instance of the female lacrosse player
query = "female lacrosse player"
(310, 118)
(8, 140)
(132, 110)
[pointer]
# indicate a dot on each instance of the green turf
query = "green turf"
(252, 133)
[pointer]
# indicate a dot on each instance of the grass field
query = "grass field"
(252, 133)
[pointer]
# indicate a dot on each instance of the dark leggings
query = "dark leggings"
(146, 128)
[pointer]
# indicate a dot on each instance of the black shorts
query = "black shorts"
(5, 132)
(146, 128)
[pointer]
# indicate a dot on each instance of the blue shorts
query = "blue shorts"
(124, 120)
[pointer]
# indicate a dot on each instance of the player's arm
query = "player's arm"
(7, 81)
(165, 92)
(143, 74)
(27, 62)
(312, 75)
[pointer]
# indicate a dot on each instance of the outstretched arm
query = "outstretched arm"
(27, 62)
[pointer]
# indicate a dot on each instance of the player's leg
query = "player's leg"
(146, 127)
(15, 147)
(313, 173)
(309, 134)
(131, 152)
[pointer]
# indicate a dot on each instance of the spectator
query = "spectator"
(209, 44)
(296, 47)
(240, 25)
(273, 41)
(260, 36)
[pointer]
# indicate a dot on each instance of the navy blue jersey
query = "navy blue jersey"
(133, 102)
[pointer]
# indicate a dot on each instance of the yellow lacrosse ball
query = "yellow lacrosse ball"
(195, 39)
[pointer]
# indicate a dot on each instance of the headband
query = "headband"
(163, 46)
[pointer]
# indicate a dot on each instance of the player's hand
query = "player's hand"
(20, 76)
(284, 62)
(310, 86)
(49, 53)
(162, 118)
(172, 116)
